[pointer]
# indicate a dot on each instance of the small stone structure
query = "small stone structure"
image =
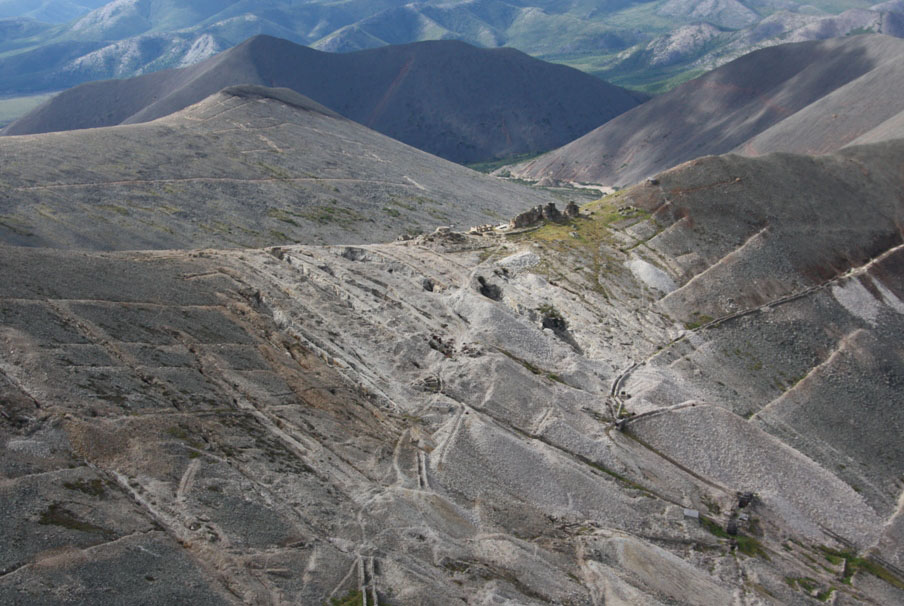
(479, 230)
(543, 213)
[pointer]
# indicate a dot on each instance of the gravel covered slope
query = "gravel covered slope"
(433, 420)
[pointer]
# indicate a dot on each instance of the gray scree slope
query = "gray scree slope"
(810, 97)
(296, 424)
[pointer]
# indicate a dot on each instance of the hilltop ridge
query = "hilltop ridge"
(445, 97)
(809, 97)
(247, 166)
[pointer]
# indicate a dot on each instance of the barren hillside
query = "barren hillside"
(434, 419)
(249, 166)
(810, 97)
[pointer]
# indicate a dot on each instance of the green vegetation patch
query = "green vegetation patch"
(113, 208)
(747, 545)
(488, 167)
(275, 172)
(282, 215)
(750, 546)
(353, 598)
(533, 368)
(629, 483)
(586, 239)
(325, 215)
(698, 321)
(12, 108)
(811, 587)
(854, 564)
(713, 527)
(16, 225)
(587, 232)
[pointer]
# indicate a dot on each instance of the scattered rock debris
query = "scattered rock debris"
(447, 348)
(488, 289)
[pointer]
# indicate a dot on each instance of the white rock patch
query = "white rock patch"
(521, 260)
(651, 275)
(854, 297)
(889, 297)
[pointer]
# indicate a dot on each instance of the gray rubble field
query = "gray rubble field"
(497, 419)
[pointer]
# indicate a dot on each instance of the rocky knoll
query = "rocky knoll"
(561, 415)
(810, 97)
(248, 166)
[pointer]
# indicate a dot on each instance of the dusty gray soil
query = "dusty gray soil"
(294, 424)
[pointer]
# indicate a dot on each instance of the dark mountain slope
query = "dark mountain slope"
(445, 97)
(807, 97)
(246, 167)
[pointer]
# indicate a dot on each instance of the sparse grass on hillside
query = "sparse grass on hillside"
(586, 233)
(325, 215)
(587, 243)
(854, 564)
(353, 598)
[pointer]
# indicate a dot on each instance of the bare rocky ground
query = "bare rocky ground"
(431, 421)
(249, 166)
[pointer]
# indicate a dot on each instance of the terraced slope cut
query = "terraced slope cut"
(518, 418)
(811, 97)
(445, 97)
(249, 166)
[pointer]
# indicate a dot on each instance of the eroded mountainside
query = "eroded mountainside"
(248, 166)
(808, 98)
(432, 421)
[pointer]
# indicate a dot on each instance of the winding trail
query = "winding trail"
(212, 180)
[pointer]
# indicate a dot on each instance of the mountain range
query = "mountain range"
(650, 45)
(811, 97)
(252, 353)
(445, 97)
(48, 11)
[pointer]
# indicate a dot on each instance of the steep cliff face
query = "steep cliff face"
(519, 418)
